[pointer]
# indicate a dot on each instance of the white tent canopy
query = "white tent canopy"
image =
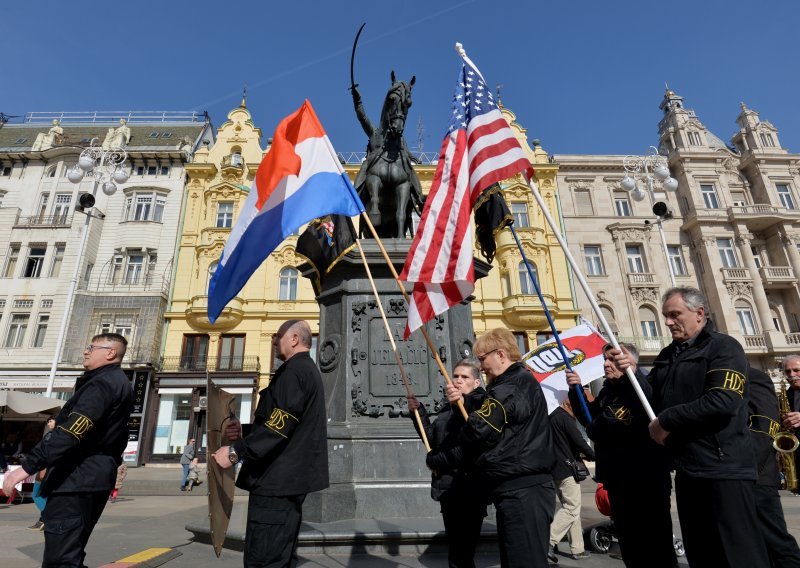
(20, 403)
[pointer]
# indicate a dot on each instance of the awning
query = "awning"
(14, 402)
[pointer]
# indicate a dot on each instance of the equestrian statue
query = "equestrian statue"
(387, 183)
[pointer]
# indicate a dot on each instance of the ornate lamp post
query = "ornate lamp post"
(649, 169)
(107, 169)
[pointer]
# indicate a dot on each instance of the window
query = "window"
(738, 198)
(152, 261)
(42, 209)
(622, 205)
(115, 273)
(58, 259)
(231, 353)
(520, 213)
(41, 330)
(709, 196)
(46, 303)
(33, 266)
(5, 171)
(16, 330)
(756, 256)
(212, 268)
(777, 321)
(288, 284)
(608, 314)
(61, 207)
(676, 262)
(11, 260)
(25, 303)
(636, 262)
(525, 282)
(785, 195)
(117, 323)
(694, 139)
(583, 202)
(144, 206)
(225, 215)
(648, 322)
(747, 323)
(766, 140)
(726, 253)
(195, 352)
(594, 260)
(133, 269)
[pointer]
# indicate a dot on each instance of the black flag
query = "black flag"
(491, 216)
(324, 242)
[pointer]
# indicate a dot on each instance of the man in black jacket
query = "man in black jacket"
(455, 489)
(568, 445)
(700, 399)
(508, 442)
(791, 370)
(82, 453)
(764, 423)
(285, 452)
(632, 467)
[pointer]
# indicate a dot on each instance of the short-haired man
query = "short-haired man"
(82, 453)
(630, 465)
(700, 398)
(285, 452)
(790, 365)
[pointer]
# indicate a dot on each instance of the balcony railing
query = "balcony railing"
(756, 341)
(758, 209)
(777, 276)
(48, 221)
(203, 364)
(148, 282)
(647, 344)
(641, 278)
(735, 274)
(792, 338)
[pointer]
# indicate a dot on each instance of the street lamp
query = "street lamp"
(107, 169)
(650, 169)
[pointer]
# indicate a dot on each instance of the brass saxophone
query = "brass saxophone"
(785, 442)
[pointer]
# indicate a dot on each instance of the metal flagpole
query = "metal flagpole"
(585, 285)
(578, 389)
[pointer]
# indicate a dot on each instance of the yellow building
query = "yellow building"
(237, 350)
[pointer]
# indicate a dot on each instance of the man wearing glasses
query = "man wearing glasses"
(83, 452)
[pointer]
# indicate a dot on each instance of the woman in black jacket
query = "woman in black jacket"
(453, 488)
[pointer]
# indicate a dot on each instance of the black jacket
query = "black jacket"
(85, 448)
(764, 423)
(622, 443)
(568, 443)
(449, 483)
(286, 449)
(508, 439)
(700, 397)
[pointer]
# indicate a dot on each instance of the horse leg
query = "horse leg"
(403, 194)
(374, 187)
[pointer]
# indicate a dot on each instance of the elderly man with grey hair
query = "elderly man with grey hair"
(700, 395)
(790, 365)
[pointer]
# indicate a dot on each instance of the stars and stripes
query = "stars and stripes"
(479, 149)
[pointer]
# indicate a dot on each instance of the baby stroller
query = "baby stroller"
(602, 536)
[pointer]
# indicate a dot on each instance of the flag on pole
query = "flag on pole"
(478, 150)
(324, 242)
(298, 180)
(584, 347)
(491, 216)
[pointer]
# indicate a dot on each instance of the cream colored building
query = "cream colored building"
(734, 234)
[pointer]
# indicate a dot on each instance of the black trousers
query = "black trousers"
(781, 546)
(69, 519)
(641, 513)
(463, 518)
(718, 523)
(523, 525)
(273, 525)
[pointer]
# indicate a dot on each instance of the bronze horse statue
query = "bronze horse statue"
(387, 183)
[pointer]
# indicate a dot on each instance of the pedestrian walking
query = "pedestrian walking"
(83, 452)
(463, 509)
(39, 499)
(186, 459)
(285, 451)
(194, 475)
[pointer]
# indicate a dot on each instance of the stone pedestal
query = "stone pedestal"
(377, 462)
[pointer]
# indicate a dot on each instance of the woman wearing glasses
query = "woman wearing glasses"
(507, 443)
(454, 488)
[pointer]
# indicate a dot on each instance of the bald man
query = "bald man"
(285, 452)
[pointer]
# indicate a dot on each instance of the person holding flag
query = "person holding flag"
(632, 467)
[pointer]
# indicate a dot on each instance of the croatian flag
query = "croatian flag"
(298, 180)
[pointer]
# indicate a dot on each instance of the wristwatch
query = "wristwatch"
(232, 455)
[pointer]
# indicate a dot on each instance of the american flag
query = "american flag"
(478, 150)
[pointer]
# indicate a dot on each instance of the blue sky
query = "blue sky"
(584, 77)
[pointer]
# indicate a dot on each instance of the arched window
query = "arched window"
(608, 313)
(747, 321)
(525, 282)
(777, 321)
(648, 322)
(212, 268)
(50, 172)
(288, 285)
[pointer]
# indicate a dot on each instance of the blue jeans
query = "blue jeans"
(185, 467)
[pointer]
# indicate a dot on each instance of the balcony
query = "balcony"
(647, 344)
(43, 221)
(755, 343)
(148, 282)
(525, 311)
(641, 279)
(197, 314)
(242, 364)
(777, 276)
(792, 338)
(760, 216)
(736, 275)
